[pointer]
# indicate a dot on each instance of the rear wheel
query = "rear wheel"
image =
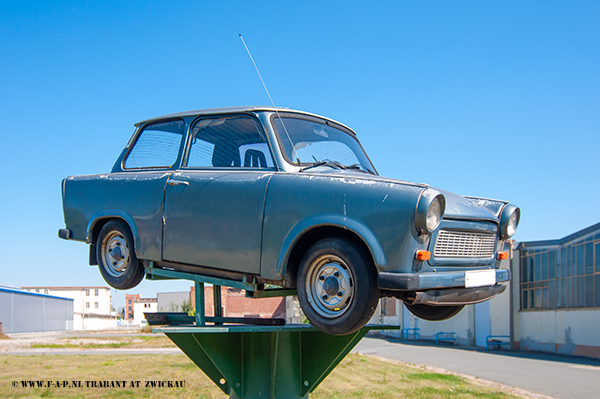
(118, 264)
(434, 313)
(337, 286)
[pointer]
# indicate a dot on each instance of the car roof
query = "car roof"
(234, 110)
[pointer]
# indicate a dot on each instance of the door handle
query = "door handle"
(177, 183)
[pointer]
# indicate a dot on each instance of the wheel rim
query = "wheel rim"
(329, 286)
(115, 254)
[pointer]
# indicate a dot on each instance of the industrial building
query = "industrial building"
(558, 294)
(91, 305)
(24, 312)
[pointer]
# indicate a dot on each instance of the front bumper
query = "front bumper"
(441, 288)
(429, 280)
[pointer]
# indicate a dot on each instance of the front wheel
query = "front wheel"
(337, 286)
(434, 313)
(118, 264)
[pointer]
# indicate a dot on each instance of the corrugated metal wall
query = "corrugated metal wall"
(22, 312)
(6, 311)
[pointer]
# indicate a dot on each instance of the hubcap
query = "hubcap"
(115, 254)
(329, 286)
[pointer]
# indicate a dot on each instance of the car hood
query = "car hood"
(354, 174)
(471, 208)
(457, 206)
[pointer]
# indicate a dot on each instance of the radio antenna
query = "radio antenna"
(257, 71)
(268, 94)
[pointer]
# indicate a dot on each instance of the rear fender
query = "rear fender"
(104, 216)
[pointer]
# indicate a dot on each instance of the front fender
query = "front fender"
(310, 223)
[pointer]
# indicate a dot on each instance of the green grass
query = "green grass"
(134, 341)
(367, 377)
(356, 377)
(84, 346)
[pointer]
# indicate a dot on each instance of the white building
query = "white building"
(141, 306)
(92, 305)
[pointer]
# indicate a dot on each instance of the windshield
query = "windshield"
(314, 141)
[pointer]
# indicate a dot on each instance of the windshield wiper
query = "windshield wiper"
(361, 167)
(326, 162)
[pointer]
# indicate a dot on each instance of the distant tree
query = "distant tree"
(186, 306)
(173, 307)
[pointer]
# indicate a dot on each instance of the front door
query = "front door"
(213, 214)
(215, 219)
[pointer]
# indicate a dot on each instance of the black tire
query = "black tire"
(337, 286)
(116, 257)
(434, 313)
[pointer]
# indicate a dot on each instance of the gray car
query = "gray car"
(291, 199)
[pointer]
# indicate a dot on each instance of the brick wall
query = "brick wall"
(235, 304)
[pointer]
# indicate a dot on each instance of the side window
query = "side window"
(229, 142)
(157, 146)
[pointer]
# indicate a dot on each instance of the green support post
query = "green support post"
(200, 315)
(218, 313)
(283, 362)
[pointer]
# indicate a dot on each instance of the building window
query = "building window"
(96, 305)
(96, 292)
(561, 276)
(46, 292)
(87, 305)
(87, 292)
(129, 301)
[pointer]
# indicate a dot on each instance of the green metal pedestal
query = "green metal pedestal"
(253, 361)
(265, 361)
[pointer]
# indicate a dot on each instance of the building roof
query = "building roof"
(561, 241)
(23, 292)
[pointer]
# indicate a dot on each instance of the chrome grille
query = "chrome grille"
(458, 244)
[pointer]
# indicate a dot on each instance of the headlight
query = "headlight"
(430, 211)
(509, 220)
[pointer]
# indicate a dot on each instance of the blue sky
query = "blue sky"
(495, 99)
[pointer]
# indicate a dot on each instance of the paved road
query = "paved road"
(560, 377)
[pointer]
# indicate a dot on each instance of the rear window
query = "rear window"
(157, 146)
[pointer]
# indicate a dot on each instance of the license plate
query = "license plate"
(480, 278)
